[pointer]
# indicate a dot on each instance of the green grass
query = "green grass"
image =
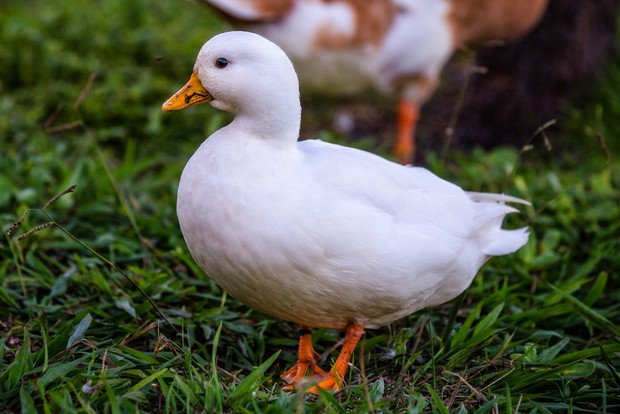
(80, 97)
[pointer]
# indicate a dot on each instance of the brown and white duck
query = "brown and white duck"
(396, 47)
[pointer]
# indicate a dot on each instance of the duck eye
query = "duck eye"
(221, 63)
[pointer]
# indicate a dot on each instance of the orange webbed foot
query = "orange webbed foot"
(302, 371)
(306, 362)
(306, 369)
(330, 383)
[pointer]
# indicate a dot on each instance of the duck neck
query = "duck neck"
(276, 121)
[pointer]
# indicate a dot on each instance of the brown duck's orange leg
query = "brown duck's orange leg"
(334, 380)
(306, 361)
(408, 114)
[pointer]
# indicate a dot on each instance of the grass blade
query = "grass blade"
(27, 402)
(57, 370)
(148, 380)
(438, 405)
(249, 384)
(80, 330)
(488, 321)
(590, 314)
(21, 365)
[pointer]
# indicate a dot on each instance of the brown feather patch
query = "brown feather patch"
(481, 21)
(372, 22)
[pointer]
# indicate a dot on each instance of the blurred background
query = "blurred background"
(124, 59)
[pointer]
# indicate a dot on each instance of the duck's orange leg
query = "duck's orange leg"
(306, 361)
(408, 114)
(335, 377)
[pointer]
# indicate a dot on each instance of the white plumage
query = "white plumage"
(315, 233)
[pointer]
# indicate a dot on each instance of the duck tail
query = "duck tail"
(490, 213)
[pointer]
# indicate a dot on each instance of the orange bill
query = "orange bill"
(192, 93)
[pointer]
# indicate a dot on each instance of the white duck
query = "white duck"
(398, 47)
(315, 233)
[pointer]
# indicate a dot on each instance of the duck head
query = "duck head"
(247, 75)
